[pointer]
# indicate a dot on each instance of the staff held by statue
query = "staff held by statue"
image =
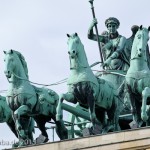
(96, 29)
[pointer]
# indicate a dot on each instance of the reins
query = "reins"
(59, 82)
(65, 79)
(110, 72)
(137, 50)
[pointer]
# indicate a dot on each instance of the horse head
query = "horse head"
(141, 39)
(73, 43)
(76, 52)
(14, 63)
(9, 61)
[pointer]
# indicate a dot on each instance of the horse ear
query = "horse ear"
(76, 34)
(149, 28)
(11, 51)
(68, 35)
(4, 52)
(141, 27)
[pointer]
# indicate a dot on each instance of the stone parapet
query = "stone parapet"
(126, 140)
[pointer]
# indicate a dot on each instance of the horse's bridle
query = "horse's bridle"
(136, 54)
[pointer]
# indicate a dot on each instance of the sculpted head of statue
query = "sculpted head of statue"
(112, 24)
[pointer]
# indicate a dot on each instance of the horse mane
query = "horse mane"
(2, 98)
(23, 62)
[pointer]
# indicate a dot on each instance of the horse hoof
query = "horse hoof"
(22, 133)
(19, 127)
(104, 131)
(15, 145)
(41, 139)
(144, 117)
(22, 143)
(107, 129)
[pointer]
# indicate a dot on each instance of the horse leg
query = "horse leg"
(135, 107)
(148, 113)
(113, 117)
(61, 130)
(12, 127)
(145, 95)
(136, 110)
(41, 125)
(101, 116)
(28, 126)
(31, 129)
(68, 97)
(91, 104)
(22, 110)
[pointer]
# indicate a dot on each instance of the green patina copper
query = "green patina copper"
(138, 77)
(27, 100)
(96, 95)
(6, 117)
(83, 87)
(113, 45)
(116, 51)
(5, 112)
(115, 55)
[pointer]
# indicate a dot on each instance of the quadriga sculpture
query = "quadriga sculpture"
(26, 100)
(95, 94)
(6, 117)
(137, 79)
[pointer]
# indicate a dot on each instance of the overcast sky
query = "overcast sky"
(37, 28)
